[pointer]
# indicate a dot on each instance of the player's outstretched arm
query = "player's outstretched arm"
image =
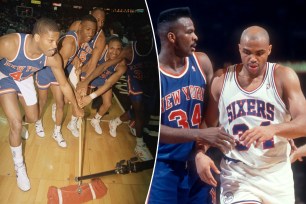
(56, 65)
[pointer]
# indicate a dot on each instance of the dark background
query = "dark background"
(219, 24)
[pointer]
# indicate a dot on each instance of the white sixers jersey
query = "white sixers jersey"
(241, 110)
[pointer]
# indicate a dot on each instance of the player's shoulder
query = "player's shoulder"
(284, 73)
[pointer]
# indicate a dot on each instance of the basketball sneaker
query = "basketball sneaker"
(58, 137)
(143, 153)
(112, 128)
(132, 127)
(72, 126)
(95, 123)
(39, 129)
(23, 181)
(53, 112)
(24, 133)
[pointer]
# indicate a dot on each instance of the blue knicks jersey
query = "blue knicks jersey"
(141, 64)
(22, 66)
(110, 70)
(85, 51)
(182, 105)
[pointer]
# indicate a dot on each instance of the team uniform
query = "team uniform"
(17, 75)
(138, 73)
(45, 77)
(175, 179)
(254, 175)
(100, 80)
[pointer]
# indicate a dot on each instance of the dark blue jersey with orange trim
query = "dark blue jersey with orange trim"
(182, 105)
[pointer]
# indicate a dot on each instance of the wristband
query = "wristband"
(93, 95)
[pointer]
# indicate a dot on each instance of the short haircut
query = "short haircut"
(114, 38)
(89, 18)
(97, 9)
(43, 25)
(173, 14)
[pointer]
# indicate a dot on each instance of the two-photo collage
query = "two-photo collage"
(152, 102)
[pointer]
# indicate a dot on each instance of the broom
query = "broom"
(75, 194)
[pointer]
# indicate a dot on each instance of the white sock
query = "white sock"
(73, 118)
(17, 156)
(139, 141)
(57, 128)
(98, 116)
(38, 122)
(118, 121)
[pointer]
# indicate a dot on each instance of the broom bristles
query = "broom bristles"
(70, 195)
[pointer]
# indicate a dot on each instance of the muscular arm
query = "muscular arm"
(96, 54)
(289, 89)
(67, 49)
(82, 86)
(8, 46)
(120, 70)
(55, 63)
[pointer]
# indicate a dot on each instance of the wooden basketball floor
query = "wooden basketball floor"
(50, 165)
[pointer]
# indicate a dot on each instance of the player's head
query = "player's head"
(46, 34)
(254, 48)
(99, 14)
(114, 47)
(88, 28)
(175, 26)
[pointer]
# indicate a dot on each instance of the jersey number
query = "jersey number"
(181, 117)
(16, 75)
(239, 129)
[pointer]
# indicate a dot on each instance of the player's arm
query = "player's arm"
(120, 70)
(8, 46)
(82, 85)
(56, 65)
(298, 154)
(67, 49)
(289, 89)
(96, 54)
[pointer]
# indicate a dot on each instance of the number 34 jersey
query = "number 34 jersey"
(241, 110)
(181, 105)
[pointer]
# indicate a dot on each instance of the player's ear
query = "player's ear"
(171, 37)
(36, 37)
(269, 49)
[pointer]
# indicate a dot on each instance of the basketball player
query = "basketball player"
(184, 76)
(105, 81)
(141, 74)
(68, 48)
(90, 52)
(260, 104)
(21, 55)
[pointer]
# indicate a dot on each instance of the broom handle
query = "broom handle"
(80, 148)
